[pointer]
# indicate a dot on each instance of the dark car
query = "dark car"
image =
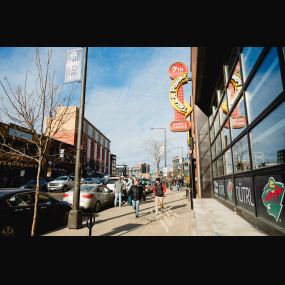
(31, 184)
(17, 210)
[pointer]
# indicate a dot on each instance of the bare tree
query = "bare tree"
(153, 150)
(40, 110)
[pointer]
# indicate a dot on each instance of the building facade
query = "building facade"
(240, 130)
(96, 146)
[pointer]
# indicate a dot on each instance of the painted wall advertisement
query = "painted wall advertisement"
(245, 193)
(229, 190)
(221, 186)
(270, 198)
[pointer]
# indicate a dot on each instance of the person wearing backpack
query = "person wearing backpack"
(159, 189)
(136, 193)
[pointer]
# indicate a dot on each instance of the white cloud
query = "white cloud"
(126, 114)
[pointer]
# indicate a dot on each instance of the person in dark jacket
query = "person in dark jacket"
(159, 190)
(136, 193)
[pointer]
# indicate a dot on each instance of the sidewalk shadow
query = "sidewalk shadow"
(127, 227)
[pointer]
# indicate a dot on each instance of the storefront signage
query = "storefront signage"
(16, 163)
(272, 197)
(19, 134)
(179, 74)
(244, 193)
(180, 126)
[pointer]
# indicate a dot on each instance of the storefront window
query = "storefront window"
(215, 172)
(238, 119)
(213, 148)
(268, 139)
(265, 86)
(218, 144)
(234, 87)
(212, 134)
(223, 110)
(241, 155)
(217, 125)
(228, 164)
(249, 57)
(210, 119)
(220, 166)
(225, 134)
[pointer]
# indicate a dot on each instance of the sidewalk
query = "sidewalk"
(209, 218)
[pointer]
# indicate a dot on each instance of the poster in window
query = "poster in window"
(216, 188)
(244, 193)
(229, 190)
(222, 189)
(270, 192)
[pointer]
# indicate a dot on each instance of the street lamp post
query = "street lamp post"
(75, 218)
(164, 143)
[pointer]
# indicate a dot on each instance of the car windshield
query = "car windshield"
(97, 180)
(61, 178)
(112, 181)
(86, 188)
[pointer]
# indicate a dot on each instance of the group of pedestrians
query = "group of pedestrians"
(136, 192)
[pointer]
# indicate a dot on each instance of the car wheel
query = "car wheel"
(7, 231)
(64, 189)
(97, 207)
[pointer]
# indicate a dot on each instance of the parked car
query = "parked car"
(31, 184)
(92, 180)
(17, 210)
(61, 183)
(111, 182)
(92, 196)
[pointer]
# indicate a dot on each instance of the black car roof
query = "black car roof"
(14, 190)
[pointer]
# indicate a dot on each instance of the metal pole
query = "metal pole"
(75, 218)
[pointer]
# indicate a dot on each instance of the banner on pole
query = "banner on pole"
(73, 65)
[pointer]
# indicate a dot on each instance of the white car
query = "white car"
(61, 183)
(92, 196)
(111, 182)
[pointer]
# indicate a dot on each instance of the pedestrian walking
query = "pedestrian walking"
(129, 185)
(177, 185)
(136, 193)
(118, 189)
(124, 190)
(159, 190)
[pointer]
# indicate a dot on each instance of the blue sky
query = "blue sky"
(126, 93)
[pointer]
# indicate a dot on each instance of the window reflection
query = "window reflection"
(213, 148)
(225, 134)
(249, 57)
(268, 139)
(234, 87)
(238, 119)
(217, 124)
(218, 144)
(220, 166)
(241, 155)
(223, 112)
(228, 164)
(214, 165)
(265, 86)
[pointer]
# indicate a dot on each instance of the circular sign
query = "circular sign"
(176, 69)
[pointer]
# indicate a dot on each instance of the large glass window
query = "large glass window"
(234, 87)
(241, 155)
(217, 124)
(218, 144)
(212, 134)
(223, 110)
(213, 150)
(249, 57)
(220, 166)
(225, 134)
(265, 86)
(238, 119)
(215, 171)
(268, 139)
(228, 163)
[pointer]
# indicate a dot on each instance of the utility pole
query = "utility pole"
(75, 218)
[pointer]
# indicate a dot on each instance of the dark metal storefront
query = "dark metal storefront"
(247, 135)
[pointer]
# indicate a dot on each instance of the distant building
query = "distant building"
(141, 170)
(96, 146)
(113, 165)
(281, 156)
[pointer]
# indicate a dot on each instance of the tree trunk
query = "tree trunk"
(36, 197)
(157, 166)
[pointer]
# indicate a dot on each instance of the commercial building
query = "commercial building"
(96, 145)
(141, 170)
(239, 109)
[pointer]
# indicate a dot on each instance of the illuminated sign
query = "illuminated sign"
(180, 126)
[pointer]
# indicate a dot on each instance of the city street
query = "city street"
(209, 218)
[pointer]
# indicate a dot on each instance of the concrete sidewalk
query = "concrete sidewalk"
(209, 218)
